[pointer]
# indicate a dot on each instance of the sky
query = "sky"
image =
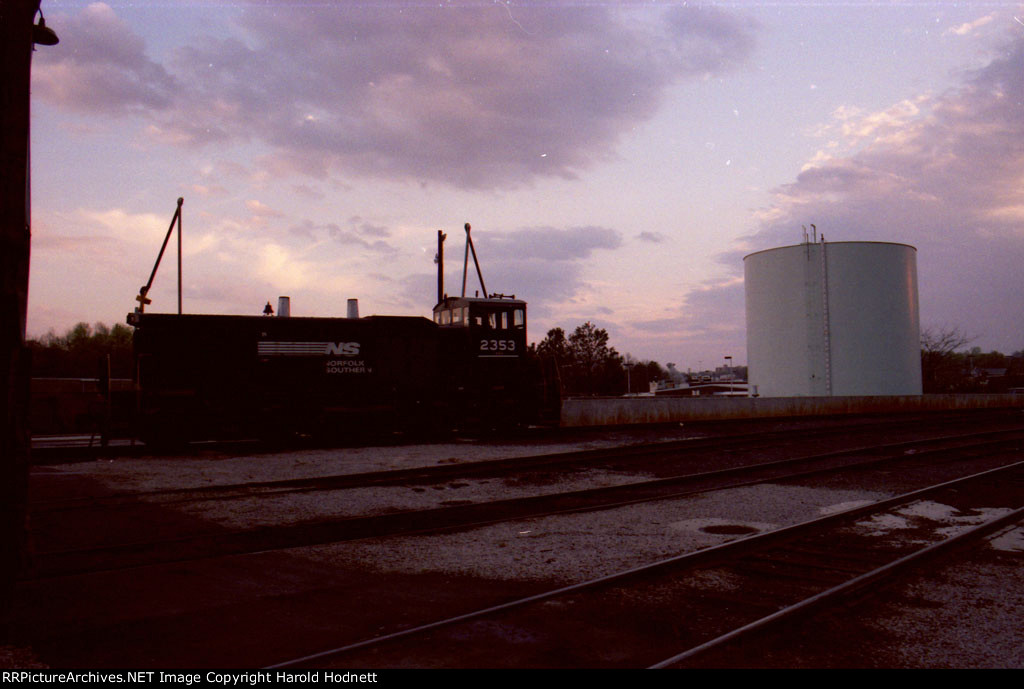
(616, 160)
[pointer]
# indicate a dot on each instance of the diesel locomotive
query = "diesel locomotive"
(212, 376)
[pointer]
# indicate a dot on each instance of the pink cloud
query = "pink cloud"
(474, 95)
(948, 181)
(101, 67)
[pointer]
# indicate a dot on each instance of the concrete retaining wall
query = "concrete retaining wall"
(617, 411)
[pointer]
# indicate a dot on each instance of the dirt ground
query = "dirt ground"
(256, 609)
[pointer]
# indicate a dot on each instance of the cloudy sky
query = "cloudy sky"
(616, 160)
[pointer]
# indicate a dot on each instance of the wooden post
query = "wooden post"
(441, 236)
(16, 44)
(178, 214)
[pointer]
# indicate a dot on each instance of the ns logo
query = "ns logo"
(343, 349)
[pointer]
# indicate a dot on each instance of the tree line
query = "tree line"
(589, 366)
(948, 366)
(587, 363)
(78, 352)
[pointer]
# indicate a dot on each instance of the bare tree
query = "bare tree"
(940, 362)
(944, 341)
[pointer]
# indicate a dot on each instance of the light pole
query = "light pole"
(729, 366)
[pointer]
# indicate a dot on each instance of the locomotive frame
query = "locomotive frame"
(214, 377)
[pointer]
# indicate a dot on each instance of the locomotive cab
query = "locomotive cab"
(495, 327)
(487, 374)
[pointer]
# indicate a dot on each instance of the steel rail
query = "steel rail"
(264, 539)
(481, 468)
(687, 560)
(66, 454)
(875, 576)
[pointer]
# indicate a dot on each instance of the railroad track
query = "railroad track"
(668, 613)
(211, 541)
(85, 448)
(664, 455)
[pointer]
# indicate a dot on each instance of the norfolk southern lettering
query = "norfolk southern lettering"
(347, 366)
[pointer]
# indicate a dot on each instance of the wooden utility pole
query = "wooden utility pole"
(16, 43)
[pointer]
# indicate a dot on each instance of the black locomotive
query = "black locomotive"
(208, 376)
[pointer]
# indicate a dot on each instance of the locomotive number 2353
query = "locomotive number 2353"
(497, 345)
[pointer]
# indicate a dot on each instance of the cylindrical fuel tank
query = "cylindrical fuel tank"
(829, 319)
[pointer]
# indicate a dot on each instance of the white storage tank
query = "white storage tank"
(829, 319)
